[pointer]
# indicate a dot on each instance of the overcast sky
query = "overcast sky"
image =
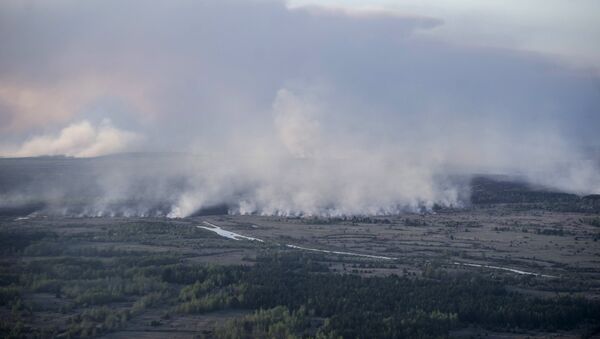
(565, 30)
(219, 64)
(95, 77)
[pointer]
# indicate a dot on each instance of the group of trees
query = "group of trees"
(393, 306)
(591, 221)
(277, 322)
(490, 190)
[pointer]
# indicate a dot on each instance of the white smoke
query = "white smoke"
(286, 111)
(296, 124)
(81, 139)
(304, 166)
(303, 172)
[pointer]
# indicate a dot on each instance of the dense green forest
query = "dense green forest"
(288, 294)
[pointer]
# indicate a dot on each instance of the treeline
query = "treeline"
(341, 220)
(490, 190)
(591, 221)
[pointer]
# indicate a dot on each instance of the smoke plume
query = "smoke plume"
(80, 139)
(258, 107)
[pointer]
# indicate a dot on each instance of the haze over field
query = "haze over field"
(299, 108)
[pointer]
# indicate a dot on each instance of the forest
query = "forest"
(284, 294)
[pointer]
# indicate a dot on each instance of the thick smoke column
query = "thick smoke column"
(312, 174)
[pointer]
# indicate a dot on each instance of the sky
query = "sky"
(417, 89)
(564, 30)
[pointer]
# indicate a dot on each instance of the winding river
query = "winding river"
(236, 236)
